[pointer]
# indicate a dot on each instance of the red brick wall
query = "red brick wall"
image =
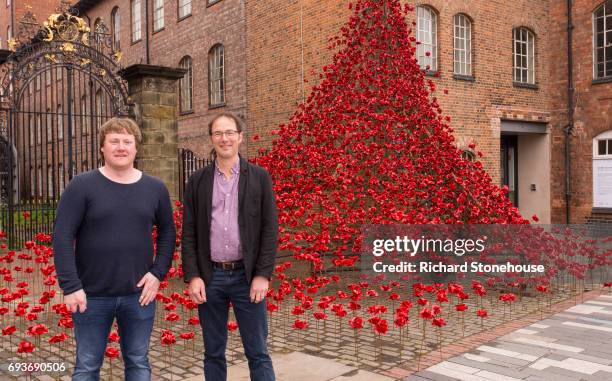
(41, 9)
(222, 22)
(274, 70)
(592, 108)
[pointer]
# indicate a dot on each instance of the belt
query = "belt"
(229, 265)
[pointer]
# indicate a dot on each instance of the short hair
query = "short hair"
(119, 125)
(230, 115)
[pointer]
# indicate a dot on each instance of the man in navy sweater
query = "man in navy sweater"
(104, 253)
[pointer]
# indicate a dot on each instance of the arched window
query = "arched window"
(462, 42)
(523, 52)
(186, 85)
(99, 32)
(116, 28)
(427, 49)
(602, 170)
(469, 155)
(602, 41)
(216, 75)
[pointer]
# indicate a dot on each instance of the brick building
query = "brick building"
(12, 11)
(590, 147)
(505, 65)
(205, 36)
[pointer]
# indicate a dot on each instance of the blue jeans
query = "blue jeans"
(226, 287)
(92, 327)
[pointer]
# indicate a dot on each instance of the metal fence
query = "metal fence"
(188, 164)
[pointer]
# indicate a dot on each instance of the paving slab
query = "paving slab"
(573, 345)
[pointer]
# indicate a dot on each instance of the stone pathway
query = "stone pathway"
(328, 352)
(575, 344)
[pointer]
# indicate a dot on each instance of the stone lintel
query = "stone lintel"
(137, 71)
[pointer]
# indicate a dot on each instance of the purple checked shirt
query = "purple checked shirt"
(224, 234)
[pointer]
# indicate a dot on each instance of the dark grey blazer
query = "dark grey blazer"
(257, 222)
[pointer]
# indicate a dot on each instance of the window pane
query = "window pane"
(184, 8)
(136, 20)
(601, 150)
(185, 85)
(116, 24)
(599, 40)
(426, 35)
(599, 24)
(159, 15)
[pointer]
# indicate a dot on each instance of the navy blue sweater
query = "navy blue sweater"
(102, 237)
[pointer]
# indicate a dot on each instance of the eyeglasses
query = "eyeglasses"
(228, 133)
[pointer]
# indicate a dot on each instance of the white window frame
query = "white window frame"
(116, 25)
(427, 25)
(186, 85)
(158, 15)
(216, 75)
(605, 58)
(602, 163)
(136, 20)
(523, 56)
(184, 8)
(462, 45)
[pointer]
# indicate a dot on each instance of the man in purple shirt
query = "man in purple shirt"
(230, 238)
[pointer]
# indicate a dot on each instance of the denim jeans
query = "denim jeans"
(231, 286)
(91, 330)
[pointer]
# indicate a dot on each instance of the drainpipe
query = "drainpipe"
(13, 35)
(147, 31)
(570, 112)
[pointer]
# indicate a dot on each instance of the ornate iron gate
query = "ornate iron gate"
(60, 85)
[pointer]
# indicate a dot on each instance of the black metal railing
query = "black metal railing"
(188, 164)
